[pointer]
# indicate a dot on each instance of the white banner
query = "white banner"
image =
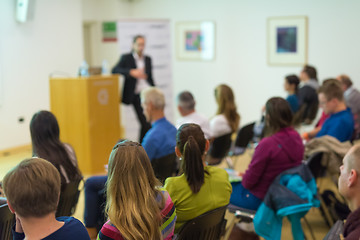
(158, 47)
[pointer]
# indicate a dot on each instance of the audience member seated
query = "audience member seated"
(349, 187)
(200, 188)
(186, 107)
(45, 132)
(135, 206)
(159, 141)
(32, 189)
(226, 119)
(340, 124)
(291, 86)
(281, 149)
(308, 99)
(352, 100)
(310, 135)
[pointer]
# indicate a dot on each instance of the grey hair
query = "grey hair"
(186, 100)
(155, 96)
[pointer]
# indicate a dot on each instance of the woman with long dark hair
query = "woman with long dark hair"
(46, 144)
(200, 188)
(279, 150)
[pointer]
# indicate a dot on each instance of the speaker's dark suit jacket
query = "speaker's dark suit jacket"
(126, 63)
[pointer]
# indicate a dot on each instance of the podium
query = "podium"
(87, 109)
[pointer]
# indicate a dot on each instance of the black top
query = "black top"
(125, 64)
(308, 102)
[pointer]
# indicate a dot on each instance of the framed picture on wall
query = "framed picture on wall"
(287, 40)
(195, 40)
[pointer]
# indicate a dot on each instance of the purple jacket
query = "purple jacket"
(273, 155)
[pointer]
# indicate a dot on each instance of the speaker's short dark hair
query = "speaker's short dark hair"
(137, 37)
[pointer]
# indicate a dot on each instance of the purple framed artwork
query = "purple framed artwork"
(287, 40)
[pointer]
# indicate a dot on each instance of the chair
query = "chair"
(243, 138)
(219, 149)
(314, 164)
(7, 220)
(164, 167)
(243, 214)
(208, 226)
(317, 170)
(69, 197)
(282, 192)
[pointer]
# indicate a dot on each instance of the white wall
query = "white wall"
(241, 59)
(51, 41)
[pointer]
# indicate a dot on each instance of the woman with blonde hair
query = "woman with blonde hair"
(137, 209)
(227, 119)
(223, 124)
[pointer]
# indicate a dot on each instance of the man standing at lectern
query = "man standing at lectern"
(136, 68)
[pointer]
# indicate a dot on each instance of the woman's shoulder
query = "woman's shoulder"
(219, 126)
(269, 140)
(163, 193)
(218, 118)
(216, 172)
(174, 182)
(109, 231)
(214, 169)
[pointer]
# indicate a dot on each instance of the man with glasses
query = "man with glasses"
(340, 124)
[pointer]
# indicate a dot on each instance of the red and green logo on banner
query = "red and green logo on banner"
(109, 31)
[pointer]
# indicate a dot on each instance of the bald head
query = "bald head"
(353, 158)
(349, 179)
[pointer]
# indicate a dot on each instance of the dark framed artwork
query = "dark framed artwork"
(287, 40)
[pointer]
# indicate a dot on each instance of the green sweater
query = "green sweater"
(214, 193)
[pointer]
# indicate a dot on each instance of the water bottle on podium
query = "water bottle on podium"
(84, 69)
(105, 67)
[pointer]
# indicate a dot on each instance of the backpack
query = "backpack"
(337, 209)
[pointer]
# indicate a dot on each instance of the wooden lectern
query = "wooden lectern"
(87, 109)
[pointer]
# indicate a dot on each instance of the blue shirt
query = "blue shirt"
(72, 229)
(293, 102)
(160, 140)
(339, 125)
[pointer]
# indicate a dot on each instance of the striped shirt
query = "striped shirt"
(168, 214)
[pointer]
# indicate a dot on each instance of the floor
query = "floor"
(9, 161)
(314, 217)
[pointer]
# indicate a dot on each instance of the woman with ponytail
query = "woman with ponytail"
(200, 188)
(136, 208)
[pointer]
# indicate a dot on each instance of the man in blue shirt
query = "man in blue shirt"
(160, 140)
(340, 124)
